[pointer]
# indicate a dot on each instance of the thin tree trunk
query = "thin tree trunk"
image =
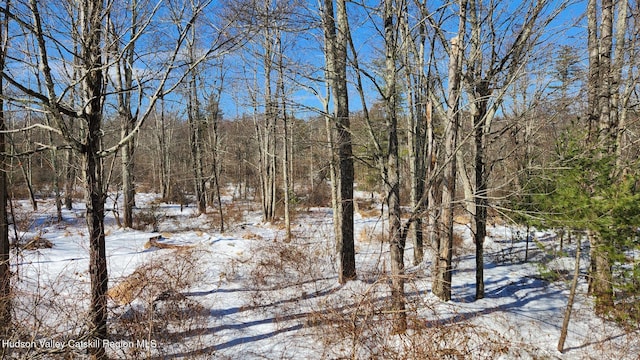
(572, 294)
(27, 180)
(55, 181)
(69, 180)
(601, 280)
(415, 129)
(5, 269)
(336, 47)
(91, 15)
(285, 142)
(214, 113)
(593, 76)
(97, 252)
(123, 85)
(392, 180)
(480, 200)
(345, 153)
(70, 165)
(616, 77)
(444, 252)
(161, 136)
(196, 144)
(267, 133)
(334, 182)
(128, 180)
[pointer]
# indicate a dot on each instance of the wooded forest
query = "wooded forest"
(438, 113)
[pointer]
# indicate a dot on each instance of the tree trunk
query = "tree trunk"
(91, 16)
(286, 179)
(214, 115)
(267, 131)
(334, 182)
(417, 105)
(55, 181)
(600, 52)
(27, 180)
(345, 152)
(196, 143)
(601, 278)
(163, 153)
(480, 195)
(572, 294)
(336, 48)
(95, 223)
(392, 180)
(5, 269)
(444, 251)
(128, 182)
(69, 180)
(124, 84)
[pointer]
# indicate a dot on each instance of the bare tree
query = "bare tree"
(397, 241)
(162, 140)
(213, 118)
(267, 17)
(336, 31)
(5, 269)
(91, 35)
(444, 248)
(491, 66)
(286, 154)
(123, 83)
(197, 126)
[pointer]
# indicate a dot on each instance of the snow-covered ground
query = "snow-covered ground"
(247, 294)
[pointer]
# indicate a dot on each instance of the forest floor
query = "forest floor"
(180, 289)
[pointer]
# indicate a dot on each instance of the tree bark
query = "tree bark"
(196, 125)
(444, 252)
(600, 97)
(267, 131)
(214, 118)
(55, 180)
(91, 14)
(69, 180)
(392, 180)
(336, 48)
(594, 74)
(128, 179)
(286, 155)
(163, 153)
(416, 88)
(125, 84)
(572, 294)
(5, 269)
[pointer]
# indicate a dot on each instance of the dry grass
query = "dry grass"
(154, 242)
(252, 236)
(160, 275)
(35, 243)
(359, 325)
(369, 234)
(367, 208)
(152, 307)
